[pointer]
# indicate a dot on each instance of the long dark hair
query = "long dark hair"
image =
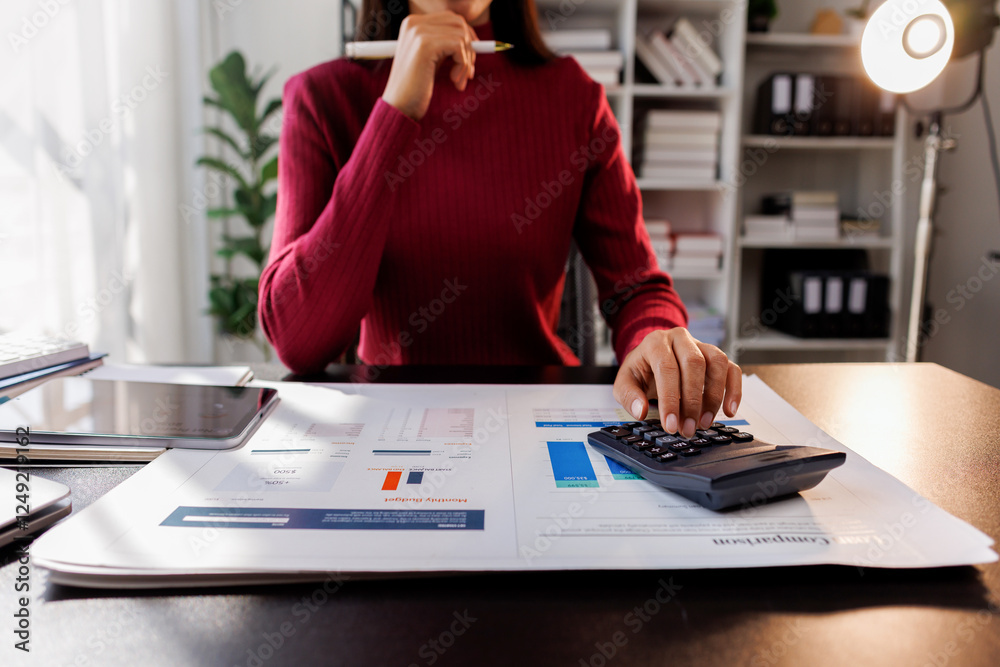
(514, 21)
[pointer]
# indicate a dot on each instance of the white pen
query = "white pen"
(380, 50)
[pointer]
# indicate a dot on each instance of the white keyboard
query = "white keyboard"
(23, 354)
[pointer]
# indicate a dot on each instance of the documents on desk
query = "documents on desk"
(376, 479)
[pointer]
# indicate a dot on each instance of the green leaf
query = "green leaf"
(272, 106)
(235, 92)
(261, 145)
(219, 165)
(245, 245)
(226, 138)
(223, 212)
(270, 171)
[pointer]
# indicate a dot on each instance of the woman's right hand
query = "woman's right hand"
(425, 41)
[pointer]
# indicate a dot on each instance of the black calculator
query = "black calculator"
(719, 468)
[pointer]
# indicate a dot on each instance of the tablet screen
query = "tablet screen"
(77, 406)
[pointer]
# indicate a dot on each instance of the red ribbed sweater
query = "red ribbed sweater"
(446, 239)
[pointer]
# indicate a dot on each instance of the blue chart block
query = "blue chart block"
(415, 477)
(619, 471)
(571, 465)
(734, 422)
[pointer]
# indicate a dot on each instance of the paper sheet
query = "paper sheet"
(408, 478)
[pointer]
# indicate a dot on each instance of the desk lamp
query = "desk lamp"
(905, 46)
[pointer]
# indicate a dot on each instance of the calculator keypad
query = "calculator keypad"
(649, 438)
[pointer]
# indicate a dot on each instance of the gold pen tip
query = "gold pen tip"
(503, 46)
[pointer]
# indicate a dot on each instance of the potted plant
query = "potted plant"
(857, 19)
(233, 292)
(760, 13)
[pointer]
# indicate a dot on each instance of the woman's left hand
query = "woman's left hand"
(689, 379)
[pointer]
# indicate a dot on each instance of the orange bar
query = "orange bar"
(392, 480)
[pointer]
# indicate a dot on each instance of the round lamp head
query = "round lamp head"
(907, 44)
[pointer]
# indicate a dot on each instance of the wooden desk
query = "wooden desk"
(934, 429)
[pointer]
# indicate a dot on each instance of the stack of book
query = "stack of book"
(680, 145)
(767, 228)
(697, 253)
(679, 56)
(660, 235)
(706, 324)
(592, 49)
(814, 214)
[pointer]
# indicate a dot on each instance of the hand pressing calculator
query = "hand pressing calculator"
(720, 467)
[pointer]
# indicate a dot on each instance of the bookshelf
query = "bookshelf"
(691, 206)
(858, 168)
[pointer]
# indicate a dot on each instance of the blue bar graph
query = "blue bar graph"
(571, 465)
(618, 471)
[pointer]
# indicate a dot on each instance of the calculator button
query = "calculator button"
(666, 458)
(667, 440)
(642, 430)
(656, 451)
(722, 428)
(700, 442)
(721, 440)
(653, 435)
(679, 446)
(652, 422)
(707, 433)
(690, 451)
(642, 445)
(616, 431)
(631, 439)
(741, 437)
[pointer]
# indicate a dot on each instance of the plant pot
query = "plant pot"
(760, 23)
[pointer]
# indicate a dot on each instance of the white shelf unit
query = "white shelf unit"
(689, 206)
(861, 169)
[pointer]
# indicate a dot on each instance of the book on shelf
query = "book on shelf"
(709, 122)
(598, 59)
(697, 173)
(767, 228)
(677, 56)
(669, 53)
(594, 39)
(671, 155)
(698, 243)
(695, 264)
(592, 51)
(861, 229)
(606, 76)
(659, 229)
(684, 35)
(661, 70)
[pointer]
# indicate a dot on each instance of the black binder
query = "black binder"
(775, 97)
(844, 106)
(824, 107)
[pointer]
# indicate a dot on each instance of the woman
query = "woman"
(433, 202)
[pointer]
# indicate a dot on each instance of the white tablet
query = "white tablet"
(29, 503)
(82, 411)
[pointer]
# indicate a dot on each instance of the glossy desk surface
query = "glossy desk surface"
(934, 429)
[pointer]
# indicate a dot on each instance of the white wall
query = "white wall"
(967, 226)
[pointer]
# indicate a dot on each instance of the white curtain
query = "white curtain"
(98, 122)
